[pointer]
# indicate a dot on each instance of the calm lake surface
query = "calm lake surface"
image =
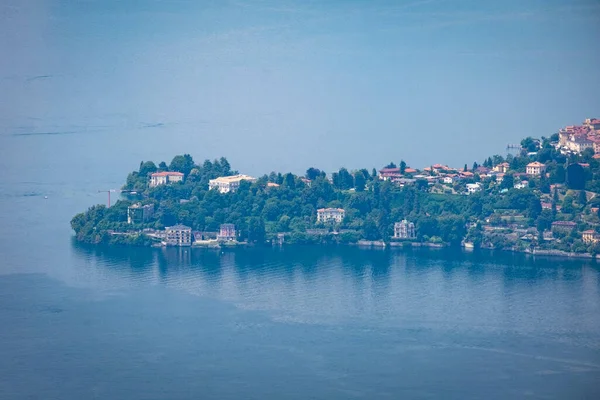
(79, 322)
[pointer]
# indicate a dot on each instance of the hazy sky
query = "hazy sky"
(284, 85)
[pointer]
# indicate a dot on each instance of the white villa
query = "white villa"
(330, 214)
(404, 230)
(227, 184)
(162, 178)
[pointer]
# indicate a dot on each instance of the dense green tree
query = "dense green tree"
(402, 167)
(575, 177)
(359, 181)
(183, 164)
(582, 198)
(312, 173)
(256, 230)
(508, 182)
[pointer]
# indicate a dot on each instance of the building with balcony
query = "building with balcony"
(178, 235)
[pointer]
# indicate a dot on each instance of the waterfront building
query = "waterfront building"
(404, 230)
(178, 235)
(138, 213)
(330, 215)
(226, 184)
(535, 168)
(590, 236)
(227, 232)
(162, 178)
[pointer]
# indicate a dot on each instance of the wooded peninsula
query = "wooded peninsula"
(543, 199)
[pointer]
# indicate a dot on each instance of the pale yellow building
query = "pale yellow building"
(535, 168)
(590, 236)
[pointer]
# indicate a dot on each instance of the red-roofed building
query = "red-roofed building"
(389, 173)
(592, 123)
(162, 178)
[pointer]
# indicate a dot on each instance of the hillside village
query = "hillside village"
(543, 199)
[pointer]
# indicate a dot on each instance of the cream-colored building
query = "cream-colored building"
(178, 235)
(162, 178)
(590, 236)
(579, 144)
(502, 167)
(535, 168)
(226, 184)
(330, 215)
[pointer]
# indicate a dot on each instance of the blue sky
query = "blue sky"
(284, 85)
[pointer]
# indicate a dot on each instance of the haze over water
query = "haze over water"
(90, 89)
(269, 84)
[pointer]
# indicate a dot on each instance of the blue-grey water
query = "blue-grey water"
(83, 322)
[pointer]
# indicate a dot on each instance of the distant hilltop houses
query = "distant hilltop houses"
(578, 138)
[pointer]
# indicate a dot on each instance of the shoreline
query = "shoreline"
(367, 244)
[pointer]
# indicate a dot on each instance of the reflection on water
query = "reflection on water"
(435, 288)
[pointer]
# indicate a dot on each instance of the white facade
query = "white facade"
(162, 178)
(521, 185)
(448, 179)
(404, 230)
(473, 187)
(330, 215)
(226, 184)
